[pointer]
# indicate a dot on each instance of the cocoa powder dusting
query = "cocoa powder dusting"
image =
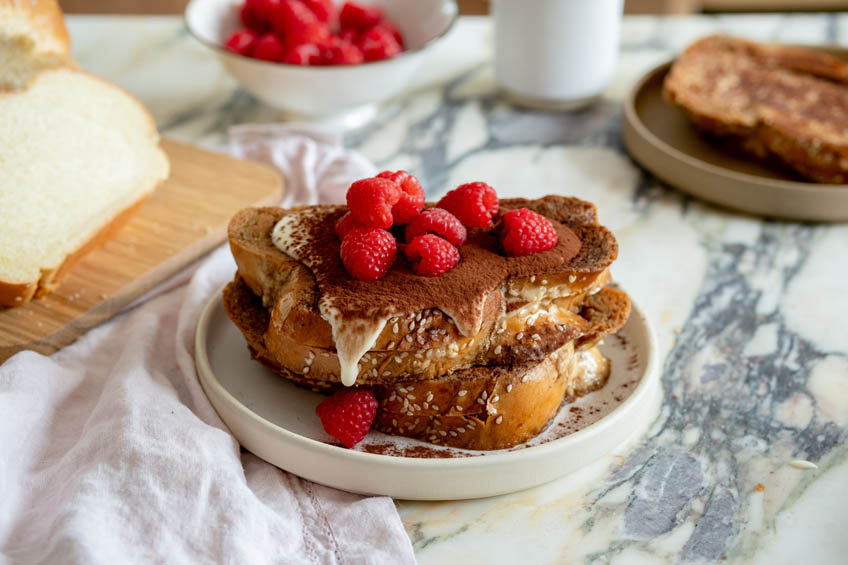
(460, 293)
(416, 451)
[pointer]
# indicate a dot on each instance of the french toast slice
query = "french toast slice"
(778, 102)
(477, 407)
(289, 290)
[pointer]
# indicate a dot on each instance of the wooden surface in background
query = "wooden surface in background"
(184, 218)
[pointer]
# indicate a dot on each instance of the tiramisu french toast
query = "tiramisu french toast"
(788, 104)
(479, 355)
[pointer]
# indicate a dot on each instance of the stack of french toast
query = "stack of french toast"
(481, 357)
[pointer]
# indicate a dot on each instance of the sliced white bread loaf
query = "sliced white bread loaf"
(76, 153)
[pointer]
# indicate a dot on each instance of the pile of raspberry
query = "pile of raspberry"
(387, 212)
(314, 32)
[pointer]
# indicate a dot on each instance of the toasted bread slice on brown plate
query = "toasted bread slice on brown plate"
(779, 102)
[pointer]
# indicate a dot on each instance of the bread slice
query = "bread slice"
(784, 103)
(76, 152)
(479, 407)
(289, 290)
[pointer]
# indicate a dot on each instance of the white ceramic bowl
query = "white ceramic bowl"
(315, 92)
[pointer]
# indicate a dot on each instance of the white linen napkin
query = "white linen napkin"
(113, 454)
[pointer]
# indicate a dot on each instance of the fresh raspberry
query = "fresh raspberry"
(430, 255)
(437, 221)
(368, 253)
(394, 31)
(324, 10)
(411, 196)
(524, 232)
(303, 54)
(358, 16)
(240, 41)
(256, 14)
(378, 43)
(315, 33)
(370, 201)
(340, 52)
(269, 48)
(290, 17)
(347, 414)
(474, 204)
(347, 223)
(351, 35)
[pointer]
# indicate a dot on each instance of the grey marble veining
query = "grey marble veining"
(725, 399)
(750, 313)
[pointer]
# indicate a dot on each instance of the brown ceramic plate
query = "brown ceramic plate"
(661, 138)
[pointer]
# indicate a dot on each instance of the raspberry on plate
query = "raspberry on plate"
(347, 223)
(269, 48)
(430, 255)
(370, 201)
(347, 414)
(474, 204)
(240, 41)
(353, 15)
(290, 17)
(437, 221)
(524, 232)
(411, 196)
(379, 43)
(368, 253)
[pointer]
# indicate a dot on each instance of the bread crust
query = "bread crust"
(777, 102)
(46, 24)
(12, 294)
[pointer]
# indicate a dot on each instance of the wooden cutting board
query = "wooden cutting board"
(184, 218)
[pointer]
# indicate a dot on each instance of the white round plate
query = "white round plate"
(276, 420)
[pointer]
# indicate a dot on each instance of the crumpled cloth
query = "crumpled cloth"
(317, 168)
(113, 454)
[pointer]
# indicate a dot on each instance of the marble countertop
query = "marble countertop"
(750, 314)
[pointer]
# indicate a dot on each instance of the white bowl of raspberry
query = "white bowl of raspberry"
(321, 59)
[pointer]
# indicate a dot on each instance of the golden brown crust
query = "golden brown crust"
(778, 102)
(47, 26)
(518, 342)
